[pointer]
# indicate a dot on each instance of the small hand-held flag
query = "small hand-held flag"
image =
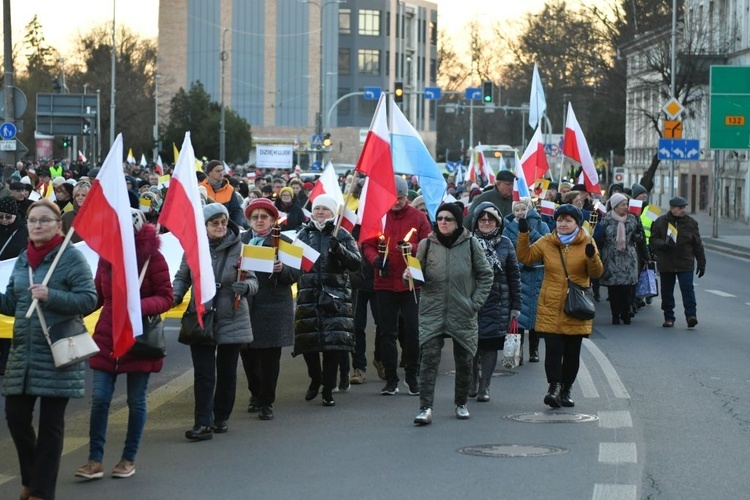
(256, 258)
(672, 232)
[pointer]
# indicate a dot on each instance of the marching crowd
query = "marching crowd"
(489, 265)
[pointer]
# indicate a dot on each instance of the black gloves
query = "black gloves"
(241, 287)
(523, 225)
(381, 264)
(177, 301)
(590, 250)
(333, 245)
(700, 272)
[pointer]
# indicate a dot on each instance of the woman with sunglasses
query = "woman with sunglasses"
(458, 280)
(271, 313)
(215, 360)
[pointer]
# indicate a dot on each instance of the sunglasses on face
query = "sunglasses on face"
(486, 221)
(259, 217)
(445, 218)
(6, 217)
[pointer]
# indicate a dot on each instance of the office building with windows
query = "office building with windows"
(286, 64)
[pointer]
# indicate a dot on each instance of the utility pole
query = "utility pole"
(222, 131)
(671, 86)
(112, 86)
(156, 116)
(10, 105)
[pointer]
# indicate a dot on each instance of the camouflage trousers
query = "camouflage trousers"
(430, 355)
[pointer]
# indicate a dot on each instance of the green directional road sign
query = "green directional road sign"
(729, 123)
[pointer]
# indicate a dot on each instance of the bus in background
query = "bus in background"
(499, 157)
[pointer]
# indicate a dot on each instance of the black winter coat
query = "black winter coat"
(505, 294)
(682, 256)
(13, 238)
(272, 308)
(324, 320)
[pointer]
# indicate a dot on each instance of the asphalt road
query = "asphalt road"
(660, 413)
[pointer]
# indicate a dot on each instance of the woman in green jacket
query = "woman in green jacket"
(458, 279)
(31, 373)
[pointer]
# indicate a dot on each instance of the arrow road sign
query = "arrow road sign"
(372, 93)
(679, 149)
(432, 93)
(8, 131)
(473, 94)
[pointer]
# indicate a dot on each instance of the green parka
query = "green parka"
(31, 369)
(457, 282)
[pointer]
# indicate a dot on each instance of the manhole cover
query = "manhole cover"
(511, 450)
(552, 417)
(496, 373)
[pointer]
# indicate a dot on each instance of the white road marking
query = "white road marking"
(720, 293)
(618, 453)
(586, 383)
(614, 492)
(615, 419)
(618, 389)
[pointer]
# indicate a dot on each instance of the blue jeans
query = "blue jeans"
(686, 288)
(104, 388)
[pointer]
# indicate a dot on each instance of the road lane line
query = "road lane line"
(618, 453)
(586, 383)
(615, 419)
(720, 293)
(614, 492)
(618, 389)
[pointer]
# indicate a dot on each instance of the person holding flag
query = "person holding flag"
(403, 223)
(677, 246)
(324, 320)
(31, 374)
(156, 298)
(271, 311)
(215, 360)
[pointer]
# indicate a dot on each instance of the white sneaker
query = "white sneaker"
(462, 412)
(424, 417)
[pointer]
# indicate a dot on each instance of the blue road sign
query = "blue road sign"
(372, 93)
(432, 93)
(8, 131)
(317, 140)
(679, 149)
(473, 94)
(315, 167)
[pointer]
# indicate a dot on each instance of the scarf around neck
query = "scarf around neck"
(567, 239)
(489, 243)
(35, 254)
(620, 240)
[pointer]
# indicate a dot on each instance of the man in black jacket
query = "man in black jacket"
(676, 243)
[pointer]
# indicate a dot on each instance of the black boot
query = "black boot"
(565, 396)
(553, 395)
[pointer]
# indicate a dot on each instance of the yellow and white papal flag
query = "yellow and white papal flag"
(256, 258)
(291, 255)
(672, 232)
(415, 268)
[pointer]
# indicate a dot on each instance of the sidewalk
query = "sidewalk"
(733, 236)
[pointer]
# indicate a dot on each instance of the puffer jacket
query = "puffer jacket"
(397, 226)
(324, 320)
(620, 268)
(505, 293)
(550, 316)
(31, 368)
(156, 298)
(272, 308)
(233, 324)
(680, 257)
(532, 275)
(457, 282)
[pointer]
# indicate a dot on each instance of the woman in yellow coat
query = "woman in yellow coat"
(562, 334)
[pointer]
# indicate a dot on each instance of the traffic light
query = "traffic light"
(487, 92)
(65, 142)
(326, 140)
(398, 92)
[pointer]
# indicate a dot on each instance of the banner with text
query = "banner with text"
(274, 156)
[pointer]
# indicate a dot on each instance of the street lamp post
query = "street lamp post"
(671, 85)
(112, 85)
(222, 131)
(156, 116)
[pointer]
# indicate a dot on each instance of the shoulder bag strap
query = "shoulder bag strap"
(39, 313)
(567, 277)
(7, 242)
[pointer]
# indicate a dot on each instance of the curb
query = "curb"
(727, 248)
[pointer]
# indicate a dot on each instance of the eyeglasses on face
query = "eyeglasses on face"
(445, 218)
(6, 217)
(42, 222)
(486, 221)
(259, 217)
(218, 222)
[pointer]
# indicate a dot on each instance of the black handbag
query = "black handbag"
(579, 301)
(151, 344)
(191, 333)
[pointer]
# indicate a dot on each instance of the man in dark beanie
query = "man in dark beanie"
(501, 196)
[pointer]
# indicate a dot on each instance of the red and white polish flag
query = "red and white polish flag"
(183, 216)
(534, 159)
(375, 161)
(548, 207)
(576, 148)
(105, 224)
(309, 255)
